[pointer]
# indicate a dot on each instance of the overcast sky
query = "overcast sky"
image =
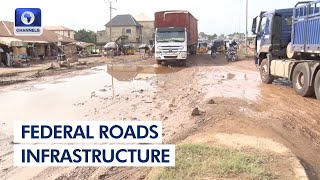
(215, 16)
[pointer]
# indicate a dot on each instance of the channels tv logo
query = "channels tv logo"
(28, 22)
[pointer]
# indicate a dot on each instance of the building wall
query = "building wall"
(147, 31)
(133, 36)
(102, 37)
(69, 34)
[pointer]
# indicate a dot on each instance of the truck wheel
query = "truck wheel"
(264, 72)
(159, 62)
(300, 81)
(317, 85)
(291, 54)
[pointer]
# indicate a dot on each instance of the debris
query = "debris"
(127, 99)
(50, 67)
(82, 63)
(103, 90)
(195, 112)
(165, 118)
(210, 101)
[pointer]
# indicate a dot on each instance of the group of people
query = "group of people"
(6, 57)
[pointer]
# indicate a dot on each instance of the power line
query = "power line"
(110, 9)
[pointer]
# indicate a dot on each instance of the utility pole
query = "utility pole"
(246, 34)
(110, 9)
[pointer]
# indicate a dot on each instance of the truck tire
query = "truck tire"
(317, 85)
(291, 54)
(300, 81)
(266, 77)
(159, 62)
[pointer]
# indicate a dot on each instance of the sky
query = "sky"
(214, 16)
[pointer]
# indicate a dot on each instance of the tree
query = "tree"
(212, 37)
(84, 35)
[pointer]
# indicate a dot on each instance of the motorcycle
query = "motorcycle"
(213, 54)
(231, 55)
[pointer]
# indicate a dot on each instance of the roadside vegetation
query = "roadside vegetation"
(194, 161)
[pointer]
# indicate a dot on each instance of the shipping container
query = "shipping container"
(306, 27)
(184, 19)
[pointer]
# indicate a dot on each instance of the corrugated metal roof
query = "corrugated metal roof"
(4, 31)
(57, 28)
(123, 20)
(7, 28)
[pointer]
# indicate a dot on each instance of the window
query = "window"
(263, 24)
(128, 31)
(317, 8)
(288, 20)
(100, 34)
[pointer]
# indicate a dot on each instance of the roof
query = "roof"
(7, 29)
(4, 31)
(123, 20)
(57, 28)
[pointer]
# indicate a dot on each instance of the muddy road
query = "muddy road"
(146, 91)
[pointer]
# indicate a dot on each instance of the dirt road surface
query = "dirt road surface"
(146, 91)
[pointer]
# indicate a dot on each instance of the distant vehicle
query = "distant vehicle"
(231, 54)
(288, 46)
(176, 35)
(128, 49)
(221, 45)
(202, 48)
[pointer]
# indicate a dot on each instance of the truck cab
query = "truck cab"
(273, 33)
(171, 44)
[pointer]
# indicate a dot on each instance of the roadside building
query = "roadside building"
(102, 37)
(147, 28)
(124, 29)
(48, 45)
(63, 31)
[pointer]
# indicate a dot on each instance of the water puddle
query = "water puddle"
(70, 98)
(233, 83)
(130, 72)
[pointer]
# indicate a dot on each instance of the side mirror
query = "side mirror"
(254, 25)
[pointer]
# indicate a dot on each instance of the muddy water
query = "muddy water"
(233, 83)
(65, 98)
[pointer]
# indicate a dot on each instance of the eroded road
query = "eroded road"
(145, 91)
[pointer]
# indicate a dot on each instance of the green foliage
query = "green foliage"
(207, 162)
(84, 35)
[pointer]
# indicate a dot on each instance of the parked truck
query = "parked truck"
(288, 46)
(176, 35)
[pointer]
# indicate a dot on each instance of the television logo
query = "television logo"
(28, 22)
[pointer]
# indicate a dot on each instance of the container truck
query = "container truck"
(288, 46)
(176, 35)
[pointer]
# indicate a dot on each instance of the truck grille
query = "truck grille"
(173, 57)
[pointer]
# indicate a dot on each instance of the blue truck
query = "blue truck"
(288, 46)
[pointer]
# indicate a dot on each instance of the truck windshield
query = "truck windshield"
(171, 36)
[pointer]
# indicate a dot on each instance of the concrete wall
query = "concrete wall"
(102, 37)
(134, 36)
(69, 34)
(147, 31)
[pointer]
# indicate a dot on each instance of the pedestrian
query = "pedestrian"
(3, 57)
(9, 57)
